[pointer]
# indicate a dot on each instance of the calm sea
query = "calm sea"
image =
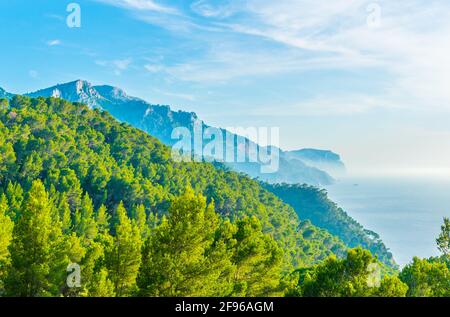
(406, 212)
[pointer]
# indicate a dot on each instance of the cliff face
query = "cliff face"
(309, 166)
(322, 159)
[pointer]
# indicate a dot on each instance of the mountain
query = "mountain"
(221, 186)
(160, 121)
(4, 94)
(324, 160)
(77, 153)
(157, 120)
(79, 91)
(65, 170)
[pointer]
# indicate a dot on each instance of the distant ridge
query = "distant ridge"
(4, 94)
(160, 120)
(325, 160)
(79, 90)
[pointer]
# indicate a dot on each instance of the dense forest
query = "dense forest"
(78, 188)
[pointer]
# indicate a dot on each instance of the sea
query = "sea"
(407, 212)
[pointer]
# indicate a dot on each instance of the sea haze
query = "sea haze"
(406, 211)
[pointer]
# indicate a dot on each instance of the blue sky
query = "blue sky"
(367, 79)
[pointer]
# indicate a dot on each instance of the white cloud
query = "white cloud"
(154, 68)
(53, 42)
(205, 9)
(411, 45)
(122, 64)
(144, 5)
(224, 63)
(118, 65)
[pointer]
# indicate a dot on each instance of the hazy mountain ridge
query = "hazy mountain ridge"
(327, 161)
(160, 120)
(4, 94)
(162, 117)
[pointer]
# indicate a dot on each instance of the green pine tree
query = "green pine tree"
(85, 224)
(102, 218)
(103, 286)
(426, 278)
(140, 220)
(14, 193)
(35, 248)
(124, 258)
(6, 230)
(182, 257)
(353, 276)
(443, 241)
(258, 261)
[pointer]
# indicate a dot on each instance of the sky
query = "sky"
(369, 80)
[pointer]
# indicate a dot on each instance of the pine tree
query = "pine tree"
(6, 229)
(4, 104)
(14, 193)
(182, 256)
(76, 254)
(102, 218)
(65, 214)
(258, 260)
(443, 241)
(85, 224)
(426, 278)
(58, 245)
(391, 286)
(349, 277)
(7, 158)
(140, 220)
(153, 221)
(92, 232)
(32, 249)
(124, 258)
(103, 286)
(341, 278)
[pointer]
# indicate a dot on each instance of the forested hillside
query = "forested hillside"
(159, 121)
(92, 207)
(77, 186)
(313, 204)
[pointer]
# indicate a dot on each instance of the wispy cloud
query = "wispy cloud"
(118, 65)
(53, 42)
(248, 38)
(208, 10)
(144, 5)
(122, 64)
(168, 17)
(412, 42)
(154, 68)
(225, 62)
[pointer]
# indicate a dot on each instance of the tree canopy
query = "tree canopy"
(93, 207)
